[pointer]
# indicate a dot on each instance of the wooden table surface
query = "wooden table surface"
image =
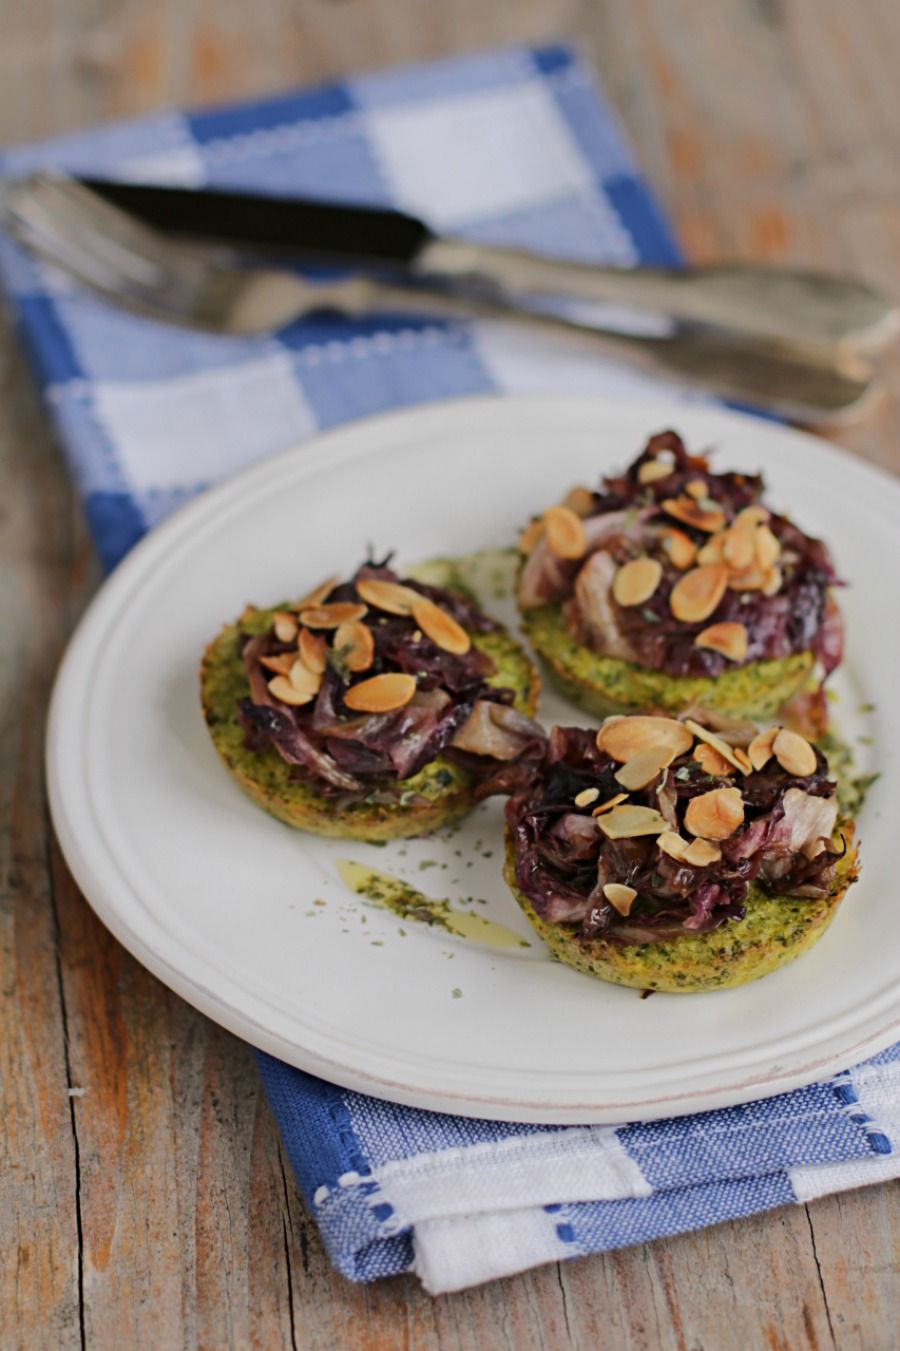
(144, 1199)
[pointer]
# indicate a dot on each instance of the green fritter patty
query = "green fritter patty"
(439, 794)
(774, 930)
(607, 685)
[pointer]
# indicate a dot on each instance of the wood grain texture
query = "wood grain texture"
(153, 1207)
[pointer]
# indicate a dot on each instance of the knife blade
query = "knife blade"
(821, 317)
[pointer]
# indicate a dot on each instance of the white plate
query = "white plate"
(218, 899)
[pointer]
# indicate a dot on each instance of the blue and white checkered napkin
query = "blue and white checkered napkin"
(514, 147)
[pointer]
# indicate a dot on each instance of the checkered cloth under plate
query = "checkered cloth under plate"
(516, 147)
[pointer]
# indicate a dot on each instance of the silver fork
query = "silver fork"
(131, 265)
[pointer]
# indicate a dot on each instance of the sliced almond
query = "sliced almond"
(624, 737)
(381, 693)
(760, 749)
(355, 645)
(620, 897)
(794, 753)
(440, 627)
(285, 626)
(743, 759)
(651, 471)
(586, 797)
(318, 595)
(728, 638)
(332, 616)
(313, 649)
(681, 549)
(715, 815)
(673, 845)
(711, 762)
(565, 533)
(695, 595)
(644, 767)
(739, 546)
(713, 551)
(608, 805)
(753, 515)
(530, 535)
(629, 821)
(636, 581)
(751, 579)
(389, 596)
(772, 582)
(700, 853)
(580, 500)
(688, 511)
(280, 665)
(303, 679)
(282, 688)
(720, 746)
(697, 489)
(768, 549)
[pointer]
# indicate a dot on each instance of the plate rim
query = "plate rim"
(202, 995)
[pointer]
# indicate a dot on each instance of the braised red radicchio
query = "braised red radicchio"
(563, 860)
(792, 612)
(454, 710)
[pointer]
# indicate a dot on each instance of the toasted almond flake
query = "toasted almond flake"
(715, 815)
(713, 551)
(530, 535)
(280, 665)
(739, 547)
(586, 797)
(760, 748)
(620, 897)
(285, 626)
(768, 549)
(388, 596)
(651, 471)
(644, 767)
(772, 582)
(282, 688)
(629, 821)
(355, 644)
(673, 845)
(753, 515)
(318, 595)
(688, 511)
(700, 853)
(440, 627)
(580, 500)
(331, 616)
(636, 581)
(303, 679)
(624, 737)
(743, 759)
(697, 489)
(695, 595)
(381, 693)
(728, 638)
(565, 533)
(313, 649)
(710, 738)
(681, 549)
(794, 753)
(711, 762)
(608, 805)
(751, 579)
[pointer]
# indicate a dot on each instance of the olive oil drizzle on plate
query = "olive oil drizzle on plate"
(410, 904)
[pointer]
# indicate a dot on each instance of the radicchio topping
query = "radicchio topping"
(563, 860)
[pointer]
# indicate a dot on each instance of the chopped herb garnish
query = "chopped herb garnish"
(456, 992)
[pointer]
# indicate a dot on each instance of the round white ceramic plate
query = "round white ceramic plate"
(219, 900)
